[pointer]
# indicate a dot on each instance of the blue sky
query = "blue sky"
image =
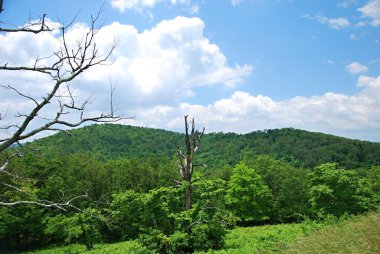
(234, 65)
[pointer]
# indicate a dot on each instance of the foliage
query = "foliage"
(247, 195)
(210, 195)
(113, 141)
(78, 228)
(130, 247)
(337, 191)
(372, 175)
(157, 219)
(203, 228)
(137, 190)
(288, 185)
(135, 212)
(21, 228)
(355, 235)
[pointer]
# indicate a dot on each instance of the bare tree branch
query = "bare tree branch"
(62, 66)
(29, 28)
(78, 59)
(7, 161)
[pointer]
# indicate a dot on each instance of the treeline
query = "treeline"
(138, 199)
(300, 148)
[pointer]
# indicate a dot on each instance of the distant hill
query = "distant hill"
(113, 141)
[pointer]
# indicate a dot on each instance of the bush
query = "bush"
(78, 228)
(208, 236)
(179, 242)
(155, 240)
(338, 191)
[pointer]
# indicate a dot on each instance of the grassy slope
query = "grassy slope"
(263, 239)
(359, 235)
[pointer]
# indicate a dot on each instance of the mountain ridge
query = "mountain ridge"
(113, 141)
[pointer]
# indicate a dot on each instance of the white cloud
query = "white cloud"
(354, 37)
(369, 82)
(155, 69)
(236, 2)
(141, 5)
(356, 116)
(356, 68)
(334, 23)
(372, 11)
(347, 3)
(161, 65)
(163, 62)
(360, 24)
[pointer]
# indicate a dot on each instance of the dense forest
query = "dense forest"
(121, 181)
(298, 147)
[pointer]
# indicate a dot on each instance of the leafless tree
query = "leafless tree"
(61, 67)
(186, 161)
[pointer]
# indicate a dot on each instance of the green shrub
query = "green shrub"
(179, 242)
(77, 228)
(155, 240)
(338, 191)
(208, 236)
(247, 195)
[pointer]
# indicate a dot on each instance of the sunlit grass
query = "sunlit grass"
(264, 239)
(360, 235)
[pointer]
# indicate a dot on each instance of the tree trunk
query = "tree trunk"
(192, 143)
(188, 198)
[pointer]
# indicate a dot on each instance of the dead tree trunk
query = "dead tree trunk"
(186, 161)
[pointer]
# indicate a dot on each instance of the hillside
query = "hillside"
(302, 148)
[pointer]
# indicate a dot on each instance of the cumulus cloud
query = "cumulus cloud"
(161, 65)
(372, 11)
(356, 68)
(154, 70)
(166, 62)
(353, 116)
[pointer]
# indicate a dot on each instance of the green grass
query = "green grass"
(130, 247)
(264, 239)
(359, 235)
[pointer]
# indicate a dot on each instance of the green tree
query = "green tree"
(135, 212)
(288, 185)
(77, 228)
(247, 195)
(338, 191)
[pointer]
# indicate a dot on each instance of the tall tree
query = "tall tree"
(186, 161)
(247, 195)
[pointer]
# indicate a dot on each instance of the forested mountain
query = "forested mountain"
(301, 148)
(123, 183)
